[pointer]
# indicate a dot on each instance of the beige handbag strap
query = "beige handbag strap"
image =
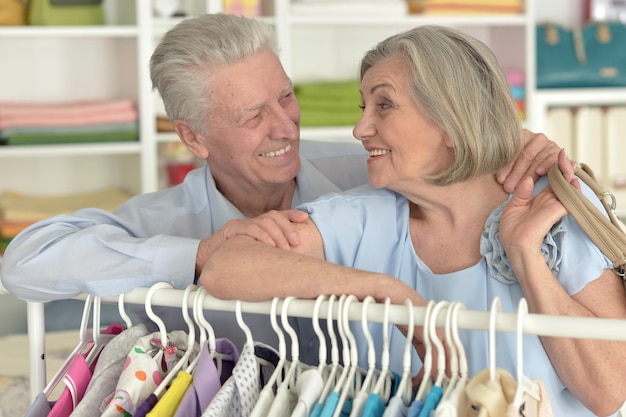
(607, 234)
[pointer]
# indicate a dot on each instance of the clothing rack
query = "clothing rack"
(537, 324)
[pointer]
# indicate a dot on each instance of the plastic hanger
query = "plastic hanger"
(266, 396)
(345, 385)
(463, 366)
(369, 380)
(156, 319)
(334, 352)
(204, 329)
(122, 311)
(405, 387)
(191, 340)
(436, 341)
(99, 339)
(242, 325)
(323, 351)
(428, 357)
(453, 356)
(85, 338)
(496, 306)
(366, 385)
(525, 386)
(276, 377)
(345, 346)
(290, 378)
(382, 387)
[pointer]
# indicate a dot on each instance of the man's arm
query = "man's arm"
(96, 252)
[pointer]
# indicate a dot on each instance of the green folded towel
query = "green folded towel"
(329, 103)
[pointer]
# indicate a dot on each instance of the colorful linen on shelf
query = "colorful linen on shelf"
(473, 7)
(72, 122)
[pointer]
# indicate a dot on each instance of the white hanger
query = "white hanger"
(524, 384)
(122, 311)
(428, 357)
(346, 386)
(323, 351)
(345, 345)
(204, 331)
(405, 387)
(242, 324)
(453, 356)
(382, 388)
(276, 377)
(496, 306)
(263, 406)
(334, 352)
(441, 351)
(371, 349)
(463, 367)
(85, 338)
(191, 339)
(290, 378)
(156, 319)
(99, 340)
(458, 358)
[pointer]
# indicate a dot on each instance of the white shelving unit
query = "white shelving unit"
(111, 61)
(62, 64)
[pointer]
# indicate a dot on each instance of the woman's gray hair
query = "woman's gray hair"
(185, 59)
(458, 84)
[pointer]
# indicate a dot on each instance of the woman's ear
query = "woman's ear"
(194, 141)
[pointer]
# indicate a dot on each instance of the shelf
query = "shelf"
(69, 31)
(581, 96)
(165, 137)
(69, 150)
(332, 133)
(408, 20)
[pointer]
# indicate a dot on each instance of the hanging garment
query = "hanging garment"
(240, 392)
(166, 407)
(78, 377)
(396, 408)
(76, 380)
(309, 386)
(455, 401)
(541, 408)
(206, 379)
(144, 369)
(108, 370)
(490, 397)
(40, 407)
(145, 407)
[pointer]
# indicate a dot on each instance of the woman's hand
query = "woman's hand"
(537, 157)
(526, 220)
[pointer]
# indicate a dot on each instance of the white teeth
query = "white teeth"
(379, 152)
(278, 152)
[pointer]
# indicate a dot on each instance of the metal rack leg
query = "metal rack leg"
(37, 347)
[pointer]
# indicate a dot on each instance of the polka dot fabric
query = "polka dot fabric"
(142, 373)
(240, 392)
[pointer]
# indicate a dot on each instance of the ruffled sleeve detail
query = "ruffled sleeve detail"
(497, 261)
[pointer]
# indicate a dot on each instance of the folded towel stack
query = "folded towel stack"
(18, 210)
(329, 103)
(473, 7)
(72, 122)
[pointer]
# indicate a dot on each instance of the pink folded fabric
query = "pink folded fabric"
(69, 114)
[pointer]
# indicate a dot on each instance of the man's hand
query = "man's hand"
(276, 228)
(537, 157)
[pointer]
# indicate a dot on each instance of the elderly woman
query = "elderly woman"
(438, 122)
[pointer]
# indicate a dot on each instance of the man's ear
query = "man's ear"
(191, 139)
